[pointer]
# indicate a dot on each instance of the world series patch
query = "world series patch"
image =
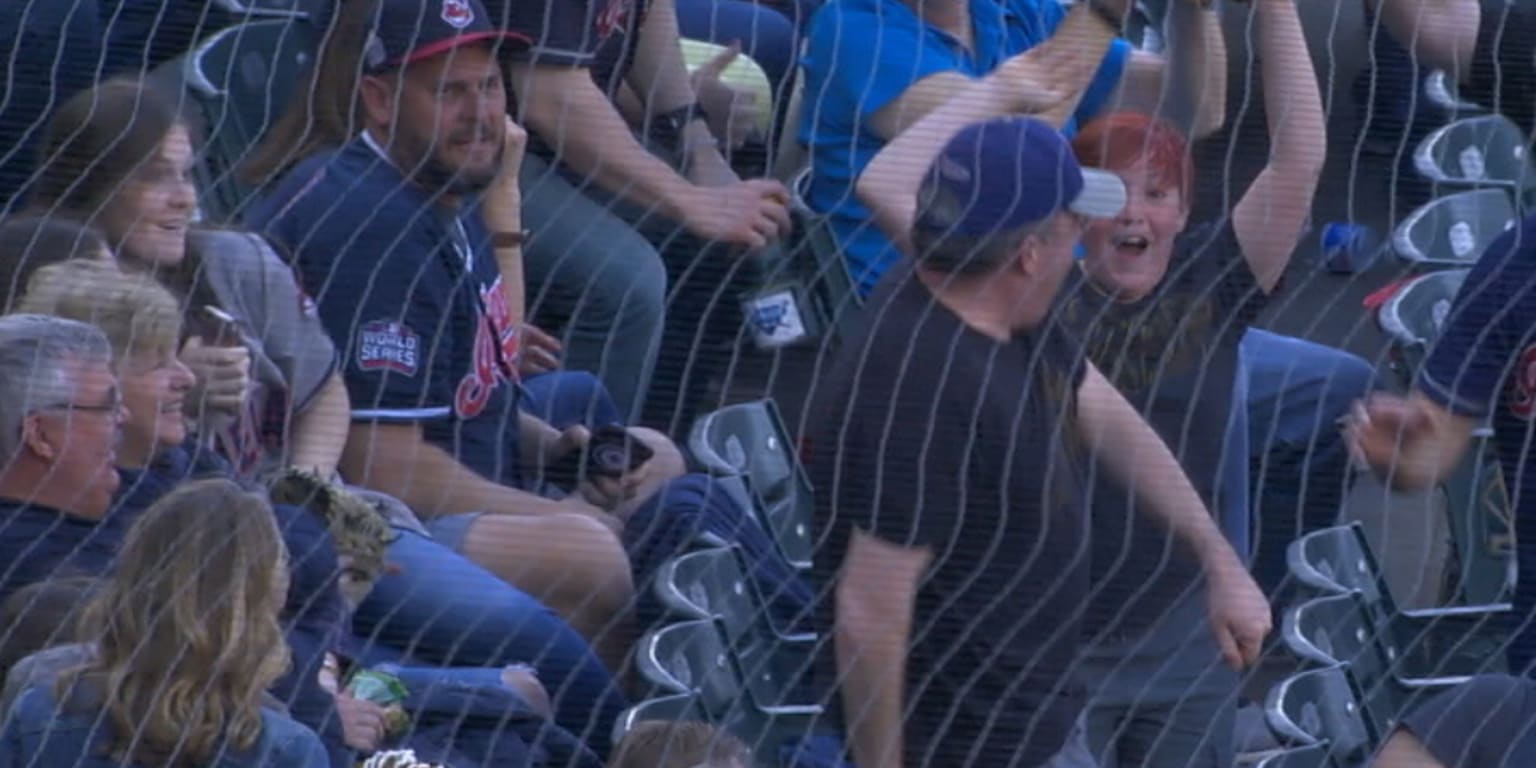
(389, 346)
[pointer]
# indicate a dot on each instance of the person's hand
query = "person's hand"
(503, 199)
(634, 488)
(525, 681)
(1378, 426)
(539, 352)
(1239, 613)
(364, 724)
(733, 113)
(514, 144)
(223, 375)
(750, 213)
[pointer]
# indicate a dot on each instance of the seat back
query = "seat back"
(751, 439)
(710, 584)
(276, 9)
(1315, 756)
(1454, 230)
(678, 708)
(242, 79)
(1330, 629)
(1414, 316)
(1337, 560)
(691, 657)
(1485, 150)
(1319, 707)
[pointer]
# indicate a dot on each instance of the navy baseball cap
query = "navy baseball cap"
(412, 30)
(1008, 173)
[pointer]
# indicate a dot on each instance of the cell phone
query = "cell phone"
(611, 452)
(219, 328)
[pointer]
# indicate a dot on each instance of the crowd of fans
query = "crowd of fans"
(294, 488)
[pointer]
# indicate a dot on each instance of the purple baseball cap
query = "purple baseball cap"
(412, 30)
(1008, 173)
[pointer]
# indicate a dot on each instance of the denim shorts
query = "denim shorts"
(451, 530)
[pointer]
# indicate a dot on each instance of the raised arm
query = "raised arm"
(1195, 91)
(1440, 33)
(1045, 79)
(1271, 214)
(1122, 442)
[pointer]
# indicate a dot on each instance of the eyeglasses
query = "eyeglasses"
(113, 405)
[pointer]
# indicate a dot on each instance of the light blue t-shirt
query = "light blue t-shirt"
(863, 54)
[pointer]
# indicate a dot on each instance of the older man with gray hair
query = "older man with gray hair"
(59, 415)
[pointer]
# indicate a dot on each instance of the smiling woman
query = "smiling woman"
(121, 157)
(142, 322)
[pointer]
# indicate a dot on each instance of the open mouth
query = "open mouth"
(1132, 245)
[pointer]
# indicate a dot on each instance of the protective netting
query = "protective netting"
(732, 382)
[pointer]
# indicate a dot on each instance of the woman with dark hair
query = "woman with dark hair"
(29, 242)
(186, 639)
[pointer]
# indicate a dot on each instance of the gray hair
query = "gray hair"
(37, 355)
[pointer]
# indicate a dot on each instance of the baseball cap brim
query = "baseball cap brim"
(1103, 195)
(447, 44)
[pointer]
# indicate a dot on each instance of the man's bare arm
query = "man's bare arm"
(1441, 33)
(870, 633)
(396, 459)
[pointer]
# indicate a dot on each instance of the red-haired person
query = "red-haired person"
(1164, 305)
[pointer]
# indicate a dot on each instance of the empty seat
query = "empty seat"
(751, 439)
(1486, 150)
(677, 707)
(1419, 649)
(1454, 230)
(1320, 707)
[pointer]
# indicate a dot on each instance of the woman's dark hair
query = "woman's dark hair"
(40, 616)
(323, 111)
(97, 139)
(29, 242)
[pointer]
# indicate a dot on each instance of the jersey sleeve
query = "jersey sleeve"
(859, 62)
(372, 267)
(564, 32)
(1491, 318)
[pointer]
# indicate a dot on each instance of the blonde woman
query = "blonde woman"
(186, 640)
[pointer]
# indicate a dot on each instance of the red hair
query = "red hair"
(1120, 140)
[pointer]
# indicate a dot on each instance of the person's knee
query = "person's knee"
(597, 574)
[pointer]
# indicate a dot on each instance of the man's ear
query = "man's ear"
(34, 440)
(1027, 258)
(378, 97)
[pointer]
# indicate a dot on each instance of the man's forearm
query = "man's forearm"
(1195, 90)
(565, 109)
(871, 660)
(397, 461)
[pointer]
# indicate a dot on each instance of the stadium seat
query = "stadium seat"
(1320, 707)
(1480, 151)
(678, 707)
(241, 80)
(1415, 314)
(1441, 91)
(1335, 561)
(712, 584)
(751, 439)
(1425, 649)
(1315, 756)
(1454, 230)
(256, 9)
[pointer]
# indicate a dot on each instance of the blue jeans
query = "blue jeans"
(1295, 392)
(442, 609)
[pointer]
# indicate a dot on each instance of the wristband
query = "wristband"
(501, 240)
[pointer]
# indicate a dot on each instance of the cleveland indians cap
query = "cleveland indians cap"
(1007, 173)
(412, 30)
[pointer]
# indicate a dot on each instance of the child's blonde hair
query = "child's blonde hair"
(679, 744)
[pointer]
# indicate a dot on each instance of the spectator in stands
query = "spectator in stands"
(874, 67)
(956, 423)
(1488, 48)
(30, 242)
(618, 216)
(1162, 307)
(420, 610)
(37, 617)
(61, 410)
(1487, 722)
(1481, 370)
(177, 674)
(679, 744)
(120, 155)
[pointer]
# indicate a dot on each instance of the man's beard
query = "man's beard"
(440, 178)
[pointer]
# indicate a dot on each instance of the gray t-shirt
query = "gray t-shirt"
(291, 355)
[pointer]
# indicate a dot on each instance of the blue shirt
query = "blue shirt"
(864, 54)
(39, 732)
(38, 543)
(411, 294)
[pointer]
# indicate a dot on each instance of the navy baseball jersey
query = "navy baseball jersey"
(411, 294)
(1484, 367)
